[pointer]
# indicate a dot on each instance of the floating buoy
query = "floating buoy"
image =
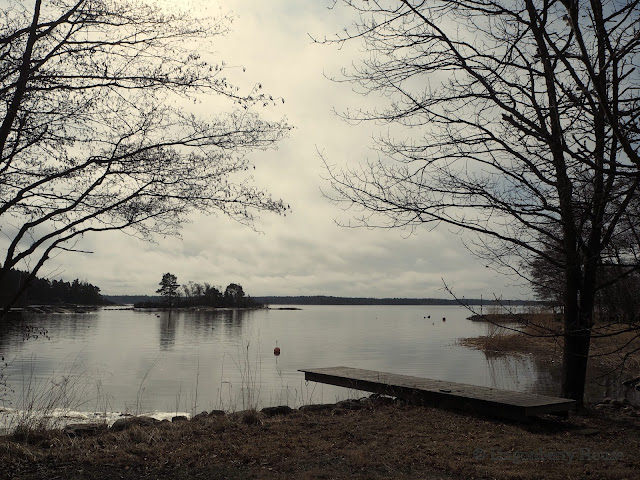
(276, 351)
(444, 319)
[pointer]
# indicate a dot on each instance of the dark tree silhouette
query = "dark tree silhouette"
(199, 295)
(96, 128)
(44, 291)
(169, 289)
(234, 294)
(515, 122)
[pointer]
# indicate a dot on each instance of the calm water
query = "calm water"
(134, 361)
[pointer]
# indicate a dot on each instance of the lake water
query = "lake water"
(190, 361)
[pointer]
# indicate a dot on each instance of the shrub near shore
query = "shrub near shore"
(613, 374)
(615, 346)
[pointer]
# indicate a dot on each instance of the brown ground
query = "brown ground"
(378, 441)
(373, 439)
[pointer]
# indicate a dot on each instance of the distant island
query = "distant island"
(190, 295)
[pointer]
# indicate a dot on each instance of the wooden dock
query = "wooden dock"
(440, 393)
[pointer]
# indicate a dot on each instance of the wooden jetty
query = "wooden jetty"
(440, 393)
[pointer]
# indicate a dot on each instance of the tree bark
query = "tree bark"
(577, 339)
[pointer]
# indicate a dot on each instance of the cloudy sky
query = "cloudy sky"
(304, 253)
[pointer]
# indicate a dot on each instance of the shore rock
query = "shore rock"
(128, 422)
(249, 417)
(83, 429)
(273, 411)
(349, 404)
(317, 407)
(200, 416)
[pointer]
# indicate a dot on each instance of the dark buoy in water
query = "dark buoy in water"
(444, 319)
(276, 351)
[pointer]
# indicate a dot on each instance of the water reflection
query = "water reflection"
(224, 358)
(201, 324)
(167, 331)
(530, 374)
(523, 373)
(32, 327)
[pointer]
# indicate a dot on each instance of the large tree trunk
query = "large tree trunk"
(579, 304)
(577, 339)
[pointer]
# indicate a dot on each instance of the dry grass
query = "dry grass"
(612, 346)
(378, 442)
(510, 343)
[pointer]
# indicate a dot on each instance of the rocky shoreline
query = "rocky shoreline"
(248, 417)
(375, 438)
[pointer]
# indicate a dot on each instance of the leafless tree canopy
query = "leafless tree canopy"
(96, 132)
(514, 120)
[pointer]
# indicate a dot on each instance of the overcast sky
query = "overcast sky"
(304, 253)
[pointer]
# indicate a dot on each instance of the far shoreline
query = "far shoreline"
(333, 300)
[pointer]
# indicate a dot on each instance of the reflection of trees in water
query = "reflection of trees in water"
(202, 324)
(24, 333)
(233, 323)
(6, 332)
(527, 374)
(229, 323)
(523, 373)
(167, 331)
(14, 331)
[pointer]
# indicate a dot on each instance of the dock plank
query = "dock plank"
(441, 393)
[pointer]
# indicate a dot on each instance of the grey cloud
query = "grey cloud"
(304, 253)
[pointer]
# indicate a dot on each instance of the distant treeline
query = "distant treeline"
(131, 299)
(48, 292)
(327, 300)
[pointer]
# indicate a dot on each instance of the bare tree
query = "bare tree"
(514, 121)
(96, 132)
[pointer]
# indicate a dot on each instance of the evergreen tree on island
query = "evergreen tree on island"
(169, 288)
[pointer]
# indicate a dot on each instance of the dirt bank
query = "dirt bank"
(368, 439)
